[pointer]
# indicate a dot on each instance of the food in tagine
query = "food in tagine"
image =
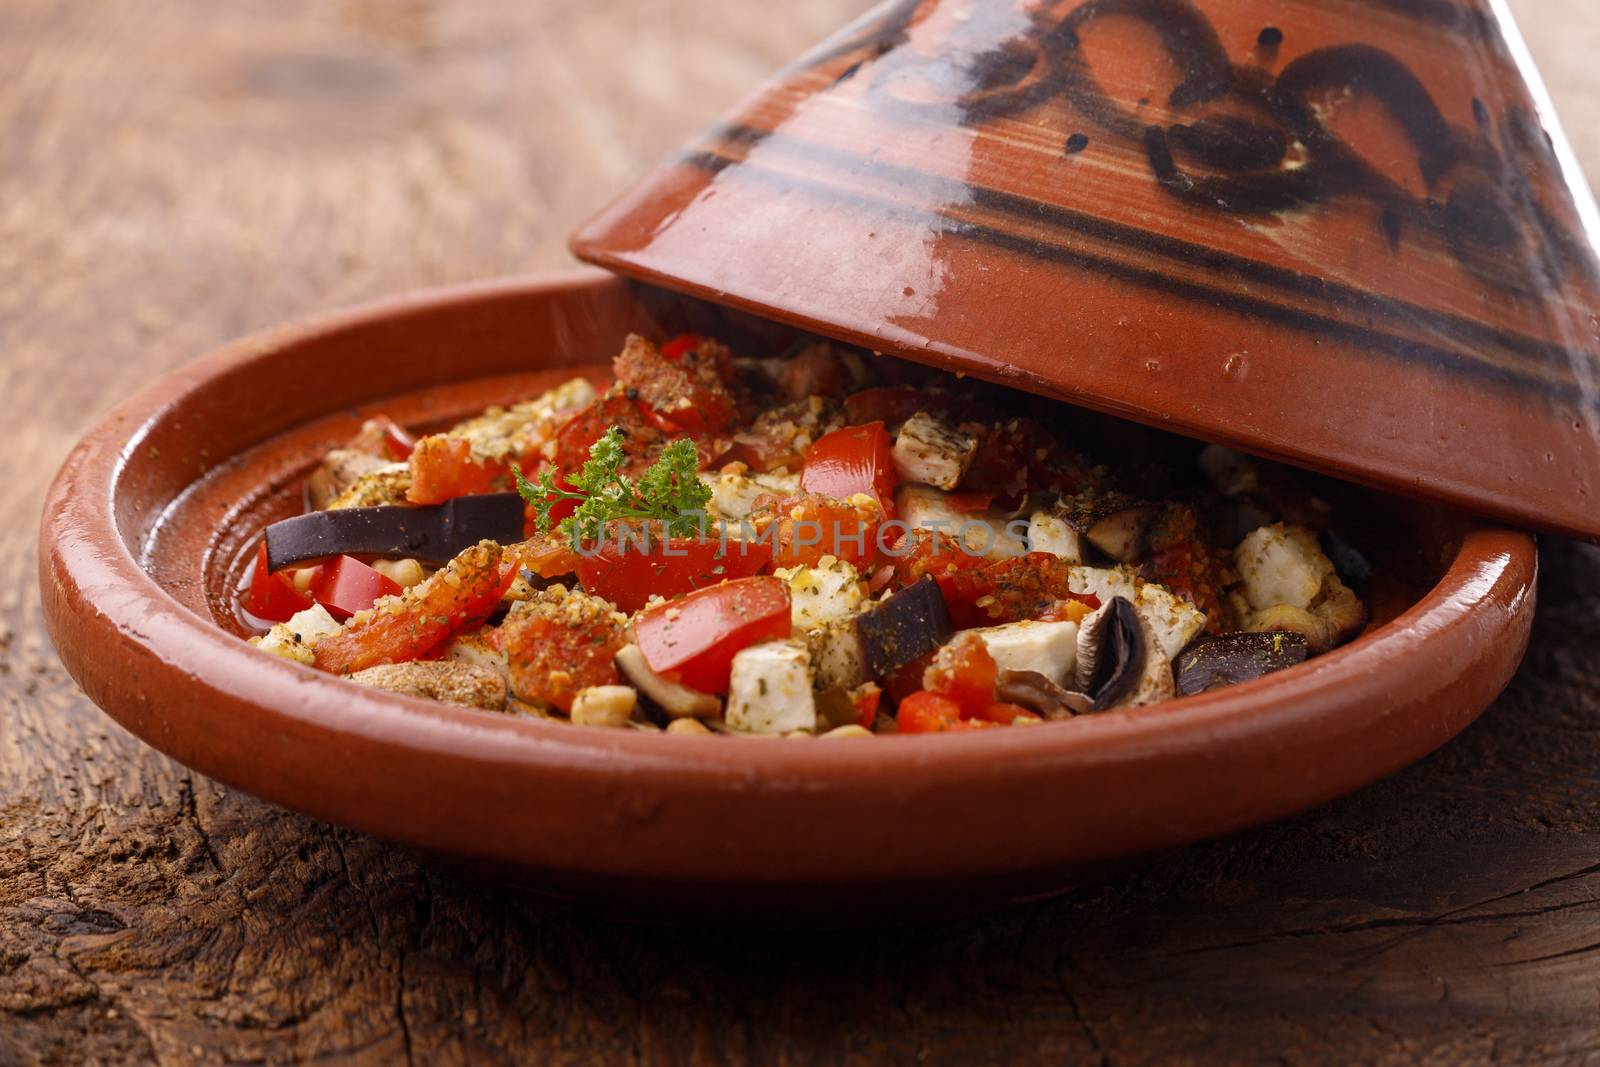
(823, 543)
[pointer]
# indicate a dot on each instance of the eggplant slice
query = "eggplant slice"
(909, 624)
(1228, 659)
(435, 534)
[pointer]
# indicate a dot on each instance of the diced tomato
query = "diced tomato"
(443, 468)
(382, 436)
(1080, 607)
(1019, 455)
(811, 527)
(684, 342)
(1193, 572)
(927, 713)
(866, 698)
(586, 426)
(397, 442)
(855, 459)
(1004, 714)
(689, 392)
(620, 569)
(345, 586)
(551, 655)
(693, 640)
(459, 595)
(986, 592)
(964, 671)
(272, 597)
(926, 552)
(549, 555)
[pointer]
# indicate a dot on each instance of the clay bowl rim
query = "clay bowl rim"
(111, 620)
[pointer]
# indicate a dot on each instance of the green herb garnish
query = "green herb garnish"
(670, 492)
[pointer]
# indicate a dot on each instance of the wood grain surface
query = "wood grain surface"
(175, 173)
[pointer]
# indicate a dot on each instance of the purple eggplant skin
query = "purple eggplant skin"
(907, 625)
(1228, 659)
(433, 534)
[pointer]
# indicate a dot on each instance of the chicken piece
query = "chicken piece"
(932, 451)
(442, 680)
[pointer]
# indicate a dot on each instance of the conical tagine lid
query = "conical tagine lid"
(1341, 233)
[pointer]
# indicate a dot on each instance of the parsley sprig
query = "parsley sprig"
(669, 492)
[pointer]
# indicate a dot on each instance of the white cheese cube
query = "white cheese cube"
(1050, 533)
(838, 658)
(769, 691)
(830, 590)
(295, 639)
(1050, 648)
(1281, 565)
(931, 451)
(922, 507)
(734, 495)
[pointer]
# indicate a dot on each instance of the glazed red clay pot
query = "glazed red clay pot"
(1342, 233)
(148, 521)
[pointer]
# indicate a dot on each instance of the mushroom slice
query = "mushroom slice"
(1113, 522)
(673, 700)
(1037, 693)
(1119, 659)
(1336, 616)
(1228, 659)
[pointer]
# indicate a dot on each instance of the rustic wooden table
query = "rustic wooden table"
(175, 173)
